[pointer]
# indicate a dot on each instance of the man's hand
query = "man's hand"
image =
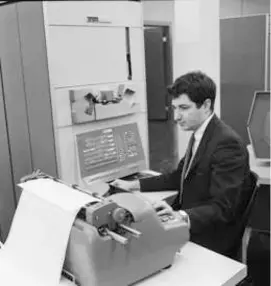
(162, 208)
(130, 186)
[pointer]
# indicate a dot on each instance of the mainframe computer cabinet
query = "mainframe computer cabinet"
(47, 49)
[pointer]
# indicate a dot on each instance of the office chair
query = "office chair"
(238, 252)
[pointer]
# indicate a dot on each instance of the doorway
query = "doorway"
(161, 126)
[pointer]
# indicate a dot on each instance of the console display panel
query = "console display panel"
(110, 153)
(259, 125)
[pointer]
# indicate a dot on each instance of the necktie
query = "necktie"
(187, 158)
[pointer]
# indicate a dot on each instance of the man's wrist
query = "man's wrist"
(185, 217)
(136, 186)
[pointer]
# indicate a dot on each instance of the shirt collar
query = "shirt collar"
(200, 131)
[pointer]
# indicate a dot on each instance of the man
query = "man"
(213, 176)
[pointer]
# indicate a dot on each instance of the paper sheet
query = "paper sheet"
(36, 245)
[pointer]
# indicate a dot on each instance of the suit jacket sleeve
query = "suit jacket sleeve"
(163, 182)
(229, 165)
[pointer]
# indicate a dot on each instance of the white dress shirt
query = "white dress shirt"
(198, 136)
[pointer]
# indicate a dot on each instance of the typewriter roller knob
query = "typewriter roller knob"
(119, 215)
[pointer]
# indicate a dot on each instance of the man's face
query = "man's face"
(186, 113)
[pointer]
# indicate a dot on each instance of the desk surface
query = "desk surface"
(261, 169)
(195, 265)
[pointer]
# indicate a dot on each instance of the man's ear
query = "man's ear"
(207, 104)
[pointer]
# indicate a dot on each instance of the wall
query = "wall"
(193, 47)
(158, 11)
(237, 8)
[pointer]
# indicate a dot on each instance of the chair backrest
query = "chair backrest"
(254, 185)
(242, 223)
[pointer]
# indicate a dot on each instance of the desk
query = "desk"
(194, 266)
(260, 168)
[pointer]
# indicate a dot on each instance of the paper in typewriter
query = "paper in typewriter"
(35, 249)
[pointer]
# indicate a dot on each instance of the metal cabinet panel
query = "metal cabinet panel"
(15, 104)
(83, 55)
(10, 112)
(25, 111)
(137, 54)
(36, 86)
(243, 51)
(7, 199)
(125, 13)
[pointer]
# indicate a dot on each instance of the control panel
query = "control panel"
(110, 153)
(104, 102)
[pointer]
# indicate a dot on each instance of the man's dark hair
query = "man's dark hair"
(198, 87)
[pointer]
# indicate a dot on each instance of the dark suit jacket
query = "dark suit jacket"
(215, 189)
